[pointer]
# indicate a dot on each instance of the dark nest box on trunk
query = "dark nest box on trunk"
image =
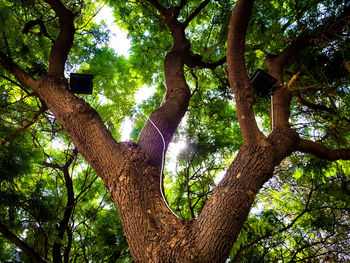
(263, 83)
(81, 83)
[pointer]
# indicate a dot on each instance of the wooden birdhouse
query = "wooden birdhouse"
(263, 83)
(81, 83)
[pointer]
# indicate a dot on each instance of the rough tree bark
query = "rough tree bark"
(131, 171)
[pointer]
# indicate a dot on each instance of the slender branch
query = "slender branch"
(84, 190)
(25, 126)
(68, 210)
(182, 4)
(304, 87)
(199, 197)
(187, 173)
(292, 80)
(318, 38)
(152, 12)
(15, 70)
(320, 151)
(300, 14)
(17, 84)
(52, 165)
(196, 80)
(90, 18)
(69, 245)
(310, 105)
(271, 233)
(71, 158)
(307, 245)
(313, 106)
(158, 6)
(209, 65)
(6, 233)
(195, 12)
(41, 24)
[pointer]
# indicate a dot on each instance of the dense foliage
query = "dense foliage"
(50, 197)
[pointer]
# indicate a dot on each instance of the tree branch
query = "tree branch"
(195, 61)
(300, 13)
(320, 151)
(6, 233)
(35, 22)
(15, 70)
(68, 210)
(245, 176)
(237, 72)
(69, 245)
(310, 105)
(25, 126)
(271, 233)
(18, 85)
(318, 38)
(278, 63)
(159, 7)
(182, 4)
(64, 42)
(163, 122)
(195, 12)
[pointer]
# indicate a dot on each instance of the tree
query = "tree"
(132, 171)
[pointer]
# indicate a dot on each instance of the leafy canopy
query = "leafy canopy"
(303, 213)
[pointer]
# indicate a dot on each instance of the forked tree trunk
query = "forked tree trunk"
(132, 172)
(154, 234)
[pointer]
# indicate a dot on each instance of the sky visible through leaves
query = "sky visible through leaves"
(303, 211)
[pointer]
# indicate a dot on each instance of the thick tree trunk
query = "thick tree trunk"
(132, 172)
(156, 235)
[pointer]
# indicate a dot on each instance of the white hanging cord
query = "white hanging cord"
(271, 112)
(162, 167)
(148, 118)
